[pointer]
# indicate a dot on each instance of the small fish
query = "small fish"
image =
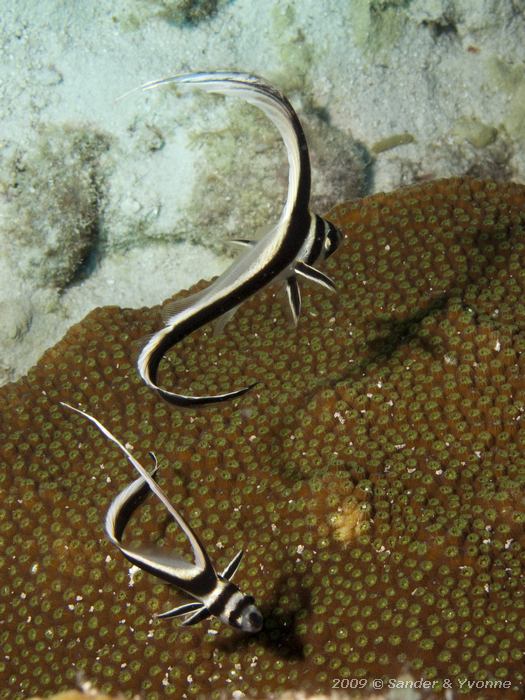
(215, 593)
(287, 251)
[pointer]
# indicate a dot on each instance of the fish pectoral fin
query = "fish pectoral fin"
(180, 610)
(232, 567)
(220, 323)
(313, 275)
(293, 297)
(197, 616)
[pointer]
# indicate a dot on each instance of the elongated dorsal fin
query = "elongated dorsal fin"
(202, 561)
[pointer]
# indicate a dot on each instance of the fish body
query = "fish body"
(286, 251)
(214, 593)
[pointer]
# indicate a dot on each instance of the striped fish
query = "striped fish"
(286, 252)
(214, 593)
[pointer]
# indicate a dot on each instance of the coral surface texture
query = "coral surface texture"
(373, 477)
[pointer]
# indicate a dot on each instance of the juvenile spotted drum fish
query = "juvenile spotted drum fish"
(214, 593)
(287, 251)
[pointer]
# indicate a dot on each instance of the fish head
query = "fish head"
(251, 618)
(332, 239)
(240, 610)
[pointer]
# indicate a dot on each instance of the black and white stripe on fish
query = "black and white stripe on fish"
(215, 593)
(326, 240)
(287, 251)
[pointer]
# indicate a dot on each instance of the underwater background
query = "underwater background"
(376, 480)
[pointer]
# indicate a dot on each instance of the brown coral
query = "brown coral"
(400, 398)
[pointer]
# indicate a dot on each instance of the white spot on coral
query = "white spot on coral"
(132, 572)
(85, 686)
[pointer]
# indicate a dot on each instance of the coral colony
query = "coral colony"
(373, 477)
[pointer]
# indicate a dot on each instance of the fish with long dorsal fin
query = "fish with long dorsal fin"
(287, 251)
(215, 593)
